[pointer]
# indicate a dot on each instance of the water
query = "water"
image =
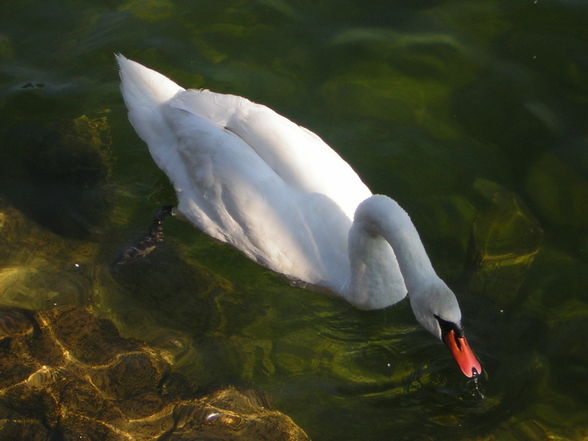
(471, 114)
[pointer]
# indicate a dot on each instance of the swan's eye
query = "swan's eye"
(447, 326)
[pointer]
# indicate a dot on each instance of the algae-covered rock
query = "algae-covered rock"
(504, 241)
(149, 10)
(375, 90)
(148, 282)
(40, 269)
(67, 375)
(6, 48)
(56, 172)
(531, 430)
(445, 222)
(559, 192)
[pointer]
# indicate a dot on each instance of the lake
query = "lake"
(472, 115)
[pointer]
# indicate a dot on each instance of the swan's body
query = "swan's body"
(249, 177)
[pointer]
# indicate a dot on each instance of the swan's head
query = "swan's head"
(436, 308)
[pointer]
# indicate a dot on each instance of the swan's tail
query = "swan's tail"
(144, 92)
(143, 87)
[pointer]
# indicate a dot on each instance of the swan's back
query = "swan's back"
(248, 176)
(297, 155)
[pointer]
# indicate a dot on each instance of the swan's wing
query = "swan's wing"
(301, 158)
(227, 190)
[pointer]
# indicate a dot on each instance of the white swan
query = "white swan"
(249, 177)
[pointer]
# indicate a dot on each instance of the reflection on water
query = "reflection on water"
(471, 115)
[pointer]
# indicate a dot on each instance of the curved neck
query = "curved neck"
(386, 254)
(397, 228)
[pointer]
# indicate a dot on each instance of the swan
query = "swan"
(249, 177)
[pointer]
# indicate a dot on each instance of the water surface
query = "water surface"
(471, 114)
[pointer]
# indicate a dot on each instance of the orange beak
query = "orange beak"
(463, 354)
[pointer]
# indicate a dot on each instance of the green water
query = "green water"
(472, 115)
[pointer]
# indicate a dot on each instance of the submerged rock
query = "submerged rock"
(57, 172)
(68, 375)
(559, 192)
(505, 240)
(40, 269)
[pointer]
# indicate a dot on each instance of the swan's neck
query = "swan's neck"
(386, 255)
